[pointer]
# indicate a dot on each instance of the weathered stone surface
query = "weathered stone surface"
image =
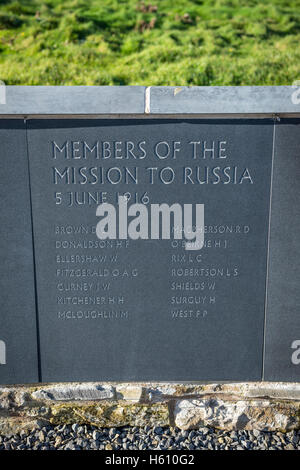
(289, 391)
(276, 390)
(12, 398)
(263, 415)
(67, 392)
(262, 406)
(133, 393)
(108, 414)
(16, 424)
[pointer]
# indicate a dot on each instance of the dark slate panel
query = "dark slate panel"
(282, 353)
(150, 310)
(18, 338)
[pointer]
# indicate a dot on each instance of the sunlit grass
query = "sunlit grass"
(167, 42)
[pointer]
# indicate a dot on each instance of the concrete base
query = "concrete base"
(262, 406)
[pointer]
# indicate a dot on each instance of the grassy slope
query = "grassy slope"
(183, 42)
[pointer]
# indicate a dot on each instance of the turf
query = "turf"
(167, 42)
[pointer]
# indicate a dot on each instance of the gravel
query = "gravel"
(81, 437)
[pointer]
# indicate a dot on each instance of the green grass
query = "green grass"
(165, 42)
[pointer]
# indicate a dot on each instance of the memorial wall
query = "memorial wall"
(104, 273)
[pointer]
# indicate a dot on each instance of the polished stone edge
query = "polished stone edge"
(48, 100)
(267, 406)
(224, 100)
(149, 101)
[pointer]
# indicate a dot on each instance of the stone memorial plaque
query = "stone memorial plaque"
(18, 335)
(282, 353)
(149, 309)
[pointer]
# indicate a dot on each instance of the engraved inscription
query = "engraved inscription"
(138, 301)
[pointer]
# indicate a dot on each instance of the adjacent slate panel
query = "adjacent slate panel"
(18, 337)
(149, 309)
(282, 355)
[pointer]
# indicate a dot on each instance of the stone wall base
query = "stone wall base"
(262, 406)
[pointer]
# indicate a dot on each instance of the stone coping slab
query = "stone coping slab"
(223, 99)
(142, 101)
(85, 100)
(152, 392)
